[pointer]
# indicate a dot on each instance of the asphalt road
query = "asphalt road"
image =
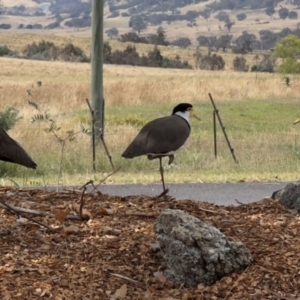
(217, 193)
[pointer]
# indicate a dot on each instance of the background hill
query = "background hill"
(264, 19)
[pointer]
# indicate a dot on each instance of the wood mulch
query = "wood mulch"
(109, 255)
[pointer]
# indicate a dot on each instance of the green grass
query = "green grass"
(266, 145)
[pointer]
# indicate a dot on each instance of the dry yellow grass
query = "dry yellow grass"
(12, 3)
(69, 83)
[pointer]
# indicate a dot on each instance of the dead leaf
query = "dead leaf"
(76, 208)
(71, 229)
(148, 295)
(105, 212)
(121, 292)
(160, 276)
(107, 229)
(61, 215)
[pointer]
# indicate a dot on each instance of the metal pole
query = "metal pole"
(215, 134)
(223, 128)
(97, 67)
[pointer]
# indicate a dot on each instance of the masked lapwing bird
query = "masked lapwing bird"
(11, 151)
(163, 137)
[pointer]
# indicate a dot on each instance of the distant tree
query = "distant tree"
(197, 55)
(181, 42)
(1, 7)
(240, 64)
(268, 39)
(266, 64)
(223, 42)
(137, 23)
(132, 37)
(155, 58)
(293, 15)
(283, 13)
(114, 14)
(229, 25)
(288, 50)
(243, 44)
(205, 14)
(241, 16)
(270, 11)
(161, 36)
(297, 2)
(213, 62)
(107, 52)
(191, 15)
(112, 32)
(222, 16)
(205, 41)
(5, 26)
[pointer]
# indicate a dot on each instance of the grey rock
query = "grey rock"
(289, 196)
(195, 252)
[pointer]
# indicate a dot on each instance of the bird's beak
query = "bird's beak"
(195, 116)
(296, 122)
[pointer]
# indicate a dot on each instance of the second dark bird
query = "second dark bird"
(163, 137)
(12, 151)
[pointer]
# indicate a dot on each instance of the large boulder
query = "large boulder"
(194, 252)
(289, 196)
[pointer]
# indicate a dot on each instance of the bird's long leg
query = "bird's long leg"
(161, 169)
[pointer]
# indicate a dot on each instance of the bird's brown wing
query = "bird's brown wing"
(159, 136)
(13, 152)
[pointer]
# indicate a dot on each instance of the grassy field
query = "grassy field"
(257, 112)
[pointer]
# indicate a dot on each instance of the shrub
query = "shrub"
(240, 64)
(241, 16)
(4, 50)
(266, 64)
(72, 53)
(5, 26)
(9, 118)
(133, 38)
(212, 62)
(182, 42)
(53, 25)
(48, 51)
(85, 21)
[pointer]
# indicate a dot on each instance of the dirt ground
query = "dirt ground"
(111, 256)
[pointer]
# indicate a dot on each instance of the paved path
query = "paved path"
(217, 193)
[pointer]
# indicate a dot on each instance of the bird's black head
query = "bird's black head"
(183, 107)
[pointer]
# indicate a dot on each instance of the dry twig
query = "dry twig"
(115, 171)
(12, 209)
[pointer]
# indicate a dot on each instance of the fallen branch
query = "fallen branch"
(126, 278)
(23, 216)
(139, 214)
(20, 210)
(208, 210)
